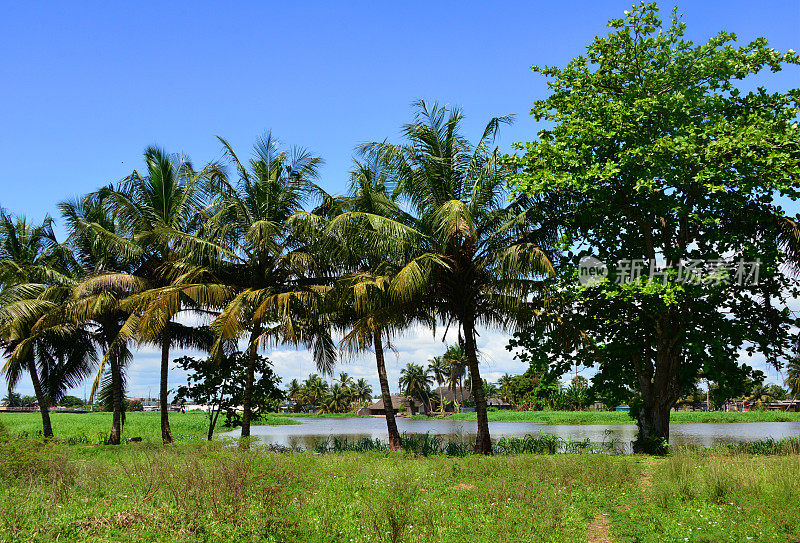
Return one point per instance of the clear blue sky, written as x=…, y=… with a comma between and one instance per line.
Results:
x=85, y=87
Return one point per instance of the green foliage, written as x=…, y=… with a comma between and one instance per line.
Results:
x=220, y=384
x=72, y=401
x=653, y=152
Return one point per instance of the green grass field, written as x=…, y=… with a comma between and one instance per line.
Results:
x=94, y=427
x=208, y=492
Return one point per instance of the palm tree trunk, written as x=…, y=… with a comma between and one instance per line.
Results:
x=248, y=385
x=483, y=443
x=395, y=443
x=41, y=399
x=166, y=432
x=117, y=392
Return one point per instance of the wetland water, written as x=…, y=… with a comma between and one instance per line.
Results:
x=314, y=430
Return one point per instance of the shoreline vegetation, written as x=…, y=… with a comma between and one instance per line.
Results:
x=584, y=417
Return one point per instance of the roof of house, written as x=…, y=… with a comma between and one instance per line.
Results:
x=450, y=395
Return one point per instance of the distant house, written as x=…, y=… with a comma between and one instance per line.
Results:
x=414, y=406
x=747, y=405
x=498, y=403
x=450, y=396
x=399, y=403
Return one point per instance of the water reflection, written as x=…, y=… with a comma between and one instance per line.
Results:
x=313, y=431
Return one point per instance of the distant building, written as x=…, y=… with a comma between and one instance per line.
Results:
x=399, y=403
x=441, y=394
x=747, y=405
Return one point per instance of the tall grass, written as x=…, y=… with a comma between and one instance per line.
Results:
x=431, y=445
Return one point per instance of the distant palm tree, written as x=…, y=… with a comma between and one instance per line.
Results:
x=505, y=383
x=457, y=363
x=793, y=376
x=415, y=382
x=293, y=390
x=344, y=380
x=337, y=400
x=440, y=369
x=314, y=390
x=362, y=391
x=490, y=390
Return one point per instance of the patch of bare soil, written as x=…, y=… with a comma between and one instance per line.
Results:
x=598, y=529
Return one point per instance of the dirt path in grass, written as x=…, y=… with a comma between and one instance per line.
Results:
x=598, y=530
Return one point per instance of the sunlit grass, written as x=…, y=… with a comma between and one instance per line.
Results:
x=95, y=427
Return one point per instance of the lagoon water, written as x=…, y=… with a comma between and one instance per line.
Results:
x=315, y=430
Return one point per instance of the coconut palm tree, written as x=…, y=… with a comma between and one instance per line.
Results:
x=34, y=268
x=314, y=390
x=337, y=400
x=440, y=369
x=361, y=305
x=456, y=362
x=481, y=254
x=362, y=391
x=155, y=210
x=344, y=380
x=415, y=382
x=267, y=280
x=105, y=263
x=505, y=383
x=792, y=380
x=294, y=390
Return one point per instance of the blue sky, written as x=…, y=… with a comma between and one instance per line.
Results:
x=85, y=87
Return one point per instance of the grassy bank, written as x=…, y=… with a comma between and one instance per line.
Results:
x=613, y=417
x=207, y=492
x=94, y=427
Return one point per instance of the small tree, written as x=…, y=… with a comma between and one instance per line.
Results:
x=221, y=386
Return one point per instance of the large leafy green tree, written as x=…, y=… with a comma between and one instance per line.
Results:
x=653, y=154
x=478, y=254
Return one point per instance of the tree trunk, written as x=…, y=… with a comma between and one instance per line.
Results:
x=483, y=442
x=166, y=432
x=659, y=386
x=248, y=385
x=653, y=424
x=213, y=421
x=116, y=392
x=395, y=443
x=41, y=399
